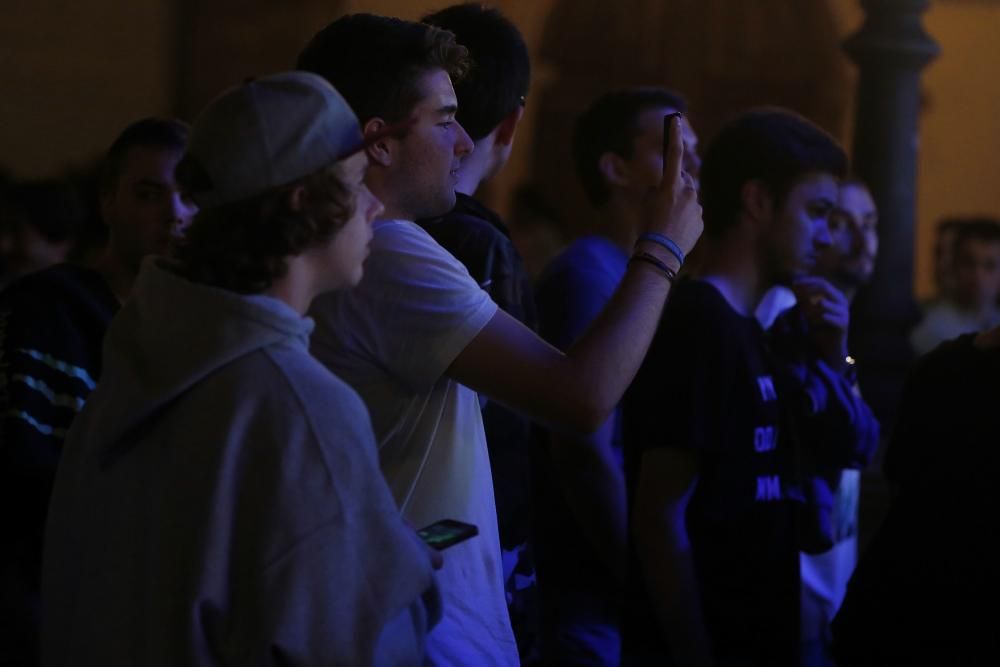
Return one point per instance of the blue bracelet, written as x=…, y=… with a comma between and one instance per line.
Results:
x=662, y=240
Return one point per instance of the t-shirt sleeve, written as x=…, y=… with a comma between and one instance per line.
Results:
x=676, y=397
x=423, y=306
x=569, y=298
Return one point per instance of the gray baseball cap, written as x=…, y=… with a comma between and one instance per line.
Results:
x=265, y=133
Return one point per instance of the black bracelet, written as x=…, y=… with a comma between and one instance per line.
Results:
x=657, y=263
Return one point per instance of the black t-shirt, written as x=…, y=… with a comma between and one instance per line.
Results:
x=52, y=326
x=925, y=591
x=709, y=384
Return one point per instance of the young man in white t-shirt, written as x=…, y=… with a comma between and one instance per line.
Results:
x=418, y=337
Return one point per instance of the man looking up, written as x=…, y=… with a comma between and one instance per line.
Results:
x=418, y=337
x=52, y=326
x=579, y=482
x=712, y=418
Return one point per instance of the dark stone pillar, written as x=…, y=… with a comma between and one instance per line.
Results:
x=890, y=49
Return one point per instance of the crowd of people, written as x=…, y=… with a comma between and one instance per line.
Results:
x=304, y=339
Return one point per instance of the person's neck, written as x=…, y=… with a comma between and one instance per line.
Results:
x=297, y=287
x=734, y=272
x=117, y=273
x=982, y=312
x=475, y=168
x=621, y=222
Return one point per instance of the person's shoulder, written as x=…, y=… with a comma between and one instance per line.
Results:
x=587, y=256
x=299, y=382
x=59, y=284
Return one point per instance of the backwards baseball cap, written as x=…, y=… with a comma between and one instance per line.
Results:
x=265, y=133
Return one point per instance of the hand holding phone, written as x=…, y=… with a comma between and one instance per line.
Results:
x=667, y=120
x=671, y=208
x=446, y=533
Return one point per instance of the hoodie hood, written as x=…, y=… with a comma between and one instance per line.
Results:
x=170, y=335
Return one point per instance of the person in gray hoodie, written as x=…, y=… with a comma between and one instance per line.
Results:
x=219, y=500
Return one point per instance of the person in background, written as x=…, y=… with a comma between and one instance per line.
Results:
x=579, y=500
x=52, y=326
x=972, y=302
x=39, y=224
x=715, y=421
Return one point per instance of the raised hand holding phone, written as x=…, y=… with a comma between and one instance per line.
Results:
x=672, y=208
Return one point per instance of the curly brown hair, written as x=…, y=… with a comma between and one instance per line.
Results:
x=244, y=246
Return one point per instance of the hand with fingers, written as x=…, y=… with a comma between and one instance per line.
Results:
x=827, y=314
x=672, y=209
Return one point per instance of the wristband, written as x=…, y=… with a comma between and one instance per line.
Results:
x=664, y=241
x=658, y=264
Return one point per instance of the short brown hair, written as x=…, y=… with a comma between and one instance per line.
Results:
x=375, y=61
x=244, y=246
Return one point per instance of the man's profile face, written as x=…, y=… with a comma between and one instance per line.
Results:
x=977, y=273
x=853, y=235
x=644, y=169
x=427, y=159
x=799, y=232
x=146, y=211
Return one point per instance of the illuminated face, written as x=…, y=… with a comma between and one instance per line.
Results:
x=427, y=158
x=146, y=210
x=850, y=257
x=644, y=169
x=798, y=232
x=345, y=254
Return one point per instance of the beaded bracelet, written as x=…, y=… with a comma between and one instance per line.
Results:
x=657, y=263
x=664, y=241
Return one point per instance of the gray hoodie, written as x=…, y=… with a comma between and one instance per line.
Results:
x=219, y=501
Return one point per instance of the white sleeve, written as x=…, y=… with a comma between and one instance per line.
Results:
x=419, y=305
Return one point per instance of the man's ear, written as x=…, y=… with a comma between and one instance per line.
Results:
x=612, y=168
x=508, y=127
x=379, y=151
x=756, y=201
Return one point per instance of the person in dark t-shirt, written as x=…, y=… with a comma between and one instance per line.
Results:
x=710, y=420
x=52, y=326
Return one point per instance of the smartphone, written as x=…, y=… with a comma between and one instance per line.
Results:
x=446, y=533
x=666, y=131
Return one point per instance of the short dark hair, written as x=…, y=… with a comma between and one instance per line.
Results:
x=53, y=208
x=374, y=62
x=609, y=125
x=983, y=229
x=244, y=246
x=163, y=133
x=775, y=146
x=498, y=79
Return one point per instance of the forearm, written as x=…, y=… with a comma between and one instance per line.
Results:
x=593, y=485
x=602, y=363
x=669, y=573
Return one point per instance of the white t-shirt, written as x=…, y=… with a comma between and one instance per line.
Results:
x=392, y=339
